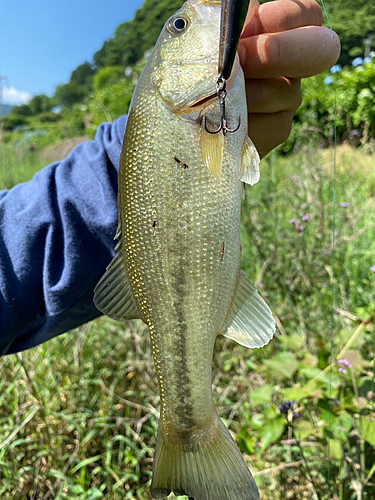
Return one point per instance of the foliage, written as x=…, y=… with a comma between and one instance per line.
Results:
x=37, y=104
x=108, y=76
x=69, y=94
x=13, y=121
x=314, y=123
x=110, y=102
x=354, y=23
x=83, y=75
x=79, y=413
x=40, y=104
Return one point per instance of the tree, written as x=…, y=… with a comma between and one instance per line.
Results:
x=40, y=104
x=353, y=22
x=133, y=38
x=83, y=75
x=22, y=110
x=69, y=94
x=107, y=76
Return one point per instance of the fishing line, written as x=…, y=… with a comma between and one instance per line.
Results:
x=331, y=326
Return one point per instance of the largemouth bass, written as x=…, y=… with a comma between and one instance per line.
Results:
x=178, y=255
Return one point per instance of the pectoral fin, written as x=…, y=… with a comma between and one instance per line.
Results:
x=212, y=146
x=249, y=168
x=250, y=321
x=113, y=294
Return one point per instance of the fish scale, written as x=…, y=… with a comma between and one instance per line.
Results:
x=180, y=256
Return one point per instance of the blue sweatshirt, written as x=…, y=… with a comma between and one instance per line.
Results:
x=56, y=239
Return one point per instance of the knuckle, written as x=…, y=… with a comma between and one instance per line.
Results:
x=316, y=13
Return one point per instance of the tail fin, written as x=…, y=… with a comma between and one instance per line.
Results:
x=210, y=470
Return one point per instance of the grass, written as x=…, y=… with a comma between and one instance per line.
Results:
x=78, y=414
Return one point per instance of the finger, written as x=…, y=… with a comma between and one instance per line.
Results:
x=269, y=130
x=282, y=15
x=297, y=53
x=273, y=95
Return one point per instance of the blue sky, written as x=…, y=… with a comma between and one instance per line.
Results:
x=43, y=41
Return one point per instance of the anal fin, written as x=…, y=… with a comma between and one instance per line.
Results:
x=250, y=321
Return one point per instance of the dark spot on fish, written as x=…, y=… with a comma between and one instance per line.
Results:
x=222, y=252
x=153, y=223
x=184, y=411
x=180, y=162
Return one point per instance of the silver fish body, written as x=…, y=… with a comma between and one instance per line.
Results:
x=177, y=261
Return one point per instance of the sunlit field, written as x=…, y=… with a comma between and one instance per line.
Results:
x=78, y=415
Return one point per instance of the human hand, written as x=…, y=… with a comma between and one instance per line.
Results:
x=281, y=44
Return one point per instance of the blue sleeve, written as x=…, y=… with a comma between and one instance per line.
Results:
x=56, y=239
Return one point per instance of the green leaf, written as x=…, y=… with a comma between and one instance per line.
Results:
x=257, y=420
x=368, y=431
x=271, y=431
x=293, y=341
x=262, y=395
x=335, y=450
x=298, y=393
x=304, y=429
x=282, y=365
x=85, y=462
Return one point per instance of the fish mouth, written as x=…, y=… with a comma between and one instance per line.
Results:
x=203, y=101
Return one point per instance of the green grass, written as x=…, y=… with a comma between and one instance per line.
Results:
x=17, y=164
x=78, y=414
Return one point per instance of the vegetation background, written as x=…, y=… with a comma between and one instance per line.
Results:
x=78, y=415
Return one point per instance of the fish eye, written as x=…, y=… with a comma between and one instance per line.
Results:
x=178, y=24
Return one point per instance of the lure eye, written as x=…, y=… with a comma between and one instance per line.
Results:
x=178, y=25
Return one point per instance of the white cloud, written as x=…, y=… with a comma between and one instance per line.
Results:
x=14, y=96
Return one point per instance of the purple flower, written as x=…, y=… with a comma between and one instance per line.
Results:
x=344, y=204
x=342, y=370
x=292, y=221
x=344, y=362
x=295, y=414
x=285, y=406
x=372, y=268
x=305, y=217
x=336, y=233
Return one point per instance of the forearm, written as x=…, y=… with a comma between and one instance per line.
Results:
x=56, y=238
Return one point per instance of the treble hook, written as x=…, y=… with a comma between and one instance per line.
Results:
x=222, y=94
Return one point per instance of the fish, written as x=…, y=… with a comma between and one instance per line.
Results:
x=177, y=261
